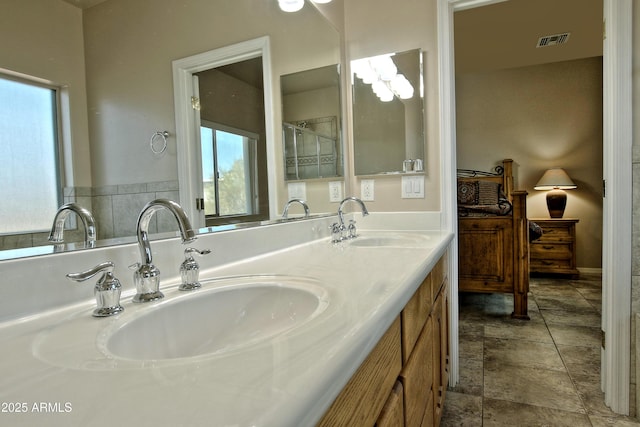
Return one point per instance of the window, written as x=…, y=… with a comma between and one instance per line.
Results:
x=228, y=171
x=31, y=187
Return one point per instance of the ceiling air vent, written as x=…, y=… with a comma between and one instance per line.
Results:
x=553, y=40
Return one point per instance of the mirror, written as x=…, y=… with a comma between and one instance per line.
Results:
x=388, y=113
x=117, y=90
x=312, y=142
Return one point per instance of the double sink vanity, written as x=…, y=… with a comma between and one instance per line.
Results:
x=283, y=320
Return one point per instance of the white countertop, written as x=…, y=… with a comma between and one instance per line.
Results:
x=53, y=372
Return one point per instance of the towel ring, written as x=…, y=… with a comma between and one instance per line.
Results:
x=154, y=140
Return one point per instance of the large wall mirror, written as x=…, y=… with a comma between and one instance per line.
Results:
x=388, y=113
x=113, y=63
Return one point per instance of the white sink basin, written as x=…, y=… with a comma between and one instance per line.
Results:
x=230, y=315
x=391, y=240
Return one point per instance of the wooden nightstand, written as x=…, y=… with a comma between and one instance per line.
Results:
x=555, y=251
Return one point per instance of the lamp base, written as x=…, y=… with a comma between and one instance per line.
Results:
x=556, y=202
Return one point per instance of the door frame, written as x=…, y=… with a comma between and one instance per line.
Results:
x=617, y=174
x=186, y=129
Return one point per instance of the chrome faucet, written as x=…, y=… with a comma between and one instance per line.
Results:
x=338, y=229
x=147, y=275
x=285, y=213
x=57, y=230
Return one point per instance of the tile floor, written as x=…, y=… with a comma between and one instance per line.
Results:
x=541, y=372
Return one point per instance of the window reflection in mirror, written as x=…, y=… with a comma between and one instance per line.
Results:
x=229, y=167
x=232, y=140
x=388, y=113
x=310, y=131
x=30, y=171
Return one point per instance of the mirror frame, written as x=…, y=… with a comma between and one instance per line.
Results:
x=187, y=149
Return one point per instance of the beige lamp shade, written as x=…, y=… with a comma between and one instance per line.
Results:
x=556, y=180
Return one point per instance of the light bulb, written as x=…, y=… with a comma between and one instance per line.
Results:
x=291, y=5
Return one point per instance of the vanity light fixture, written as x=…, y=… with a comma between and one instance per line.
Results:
x=556, y=180
x=382, y=74
x=291, y=5
x=296, y=5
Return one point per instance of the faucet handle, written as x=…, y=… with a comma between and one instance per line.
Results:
x=107, y=290
x=190, y=270
x=336, y=232
x=352, y=234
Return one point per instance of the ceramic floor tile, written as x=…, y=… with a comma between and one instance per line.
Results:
x=581, y=362
x=571, y=318
x=462, y=410
x=471, y=377
x=615, y=420
x=471, y=347
x=532, y=331
x=592, y=397
x=500, y=413
x=533, y=386
x=584, y=336
x=520, y=352
x=562, y=302
x=470, y=329
x=542, y=372
x=556, y=290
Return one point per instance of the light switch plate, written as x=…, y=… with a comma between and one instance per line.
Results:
x=413, y=187
x=367, y=190
x=335, y=191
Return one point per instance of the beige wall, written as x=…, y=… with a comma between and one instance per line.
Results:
x=130, y=45
x=379, y=26
x=43, y=39
x=540, y=116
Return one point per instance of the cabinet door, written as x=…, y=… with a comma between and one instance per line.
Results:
x=414, y=316
x=440, y=353
x=417, y=377
x=392, y=414
x=362, y=399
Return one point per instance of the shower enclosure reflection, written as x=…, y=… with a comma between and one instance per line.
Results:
x=310, y=149
x=311, y=140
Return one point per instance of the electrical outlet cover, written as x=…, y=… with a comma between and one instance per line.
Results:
x=367, y=190
x=297, y=190
x=335, y=191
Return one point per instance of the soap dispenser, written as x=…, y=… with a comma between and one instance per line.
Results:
x=190, y=270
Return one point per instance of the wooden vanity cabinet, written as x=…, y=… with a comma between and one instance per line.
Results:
x=440, y=318
x=392, y=414
x=364, y=396
x=403, y=385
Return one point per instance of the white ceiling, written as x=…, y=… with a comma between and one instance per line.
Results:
x=504, y=35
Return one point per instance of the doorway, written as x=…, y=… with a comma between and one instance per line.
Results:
x=616, y=171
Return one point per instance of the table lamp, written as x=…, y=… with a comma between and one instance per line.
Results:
x=556, y=181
